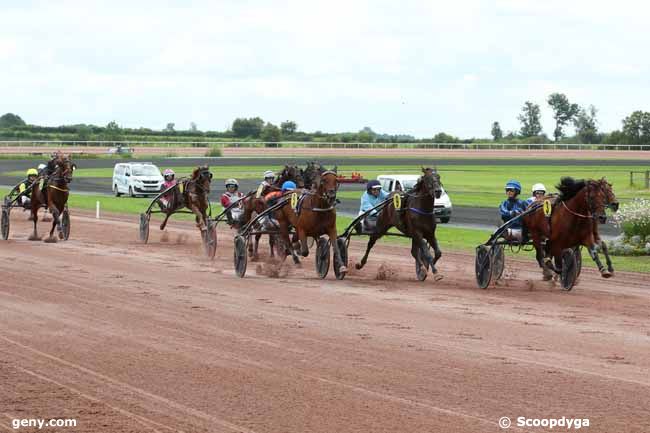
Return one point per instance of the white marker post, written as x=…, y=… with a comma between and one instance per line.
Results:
x=97, y=210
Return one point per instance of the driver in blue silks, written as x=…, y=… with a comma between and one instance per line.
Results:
x=510, y=208
x=371, y=198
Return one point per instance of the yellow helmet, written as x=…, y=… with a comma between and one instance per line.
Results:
x=32, y=172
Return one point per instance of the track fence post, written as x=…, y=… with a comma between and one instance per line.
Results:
x=97, y=210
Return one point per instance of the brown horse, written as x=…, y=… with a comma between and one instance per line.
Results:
x=574, y=221
x=255, y=204
x=191, y=193
x=54, y=196
x=416, y=219
x=315, y=217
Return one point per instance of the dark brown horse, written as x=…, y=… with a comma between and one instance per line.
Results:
x=416, y=219
x=191, y=193
x=315, y=217
x=574, y=221
x=255, y=204
x=55, y=196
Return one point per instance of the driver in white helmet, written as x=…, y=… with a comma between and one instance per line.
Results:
x=231, y=196
x=539, y=191
x=267, y=183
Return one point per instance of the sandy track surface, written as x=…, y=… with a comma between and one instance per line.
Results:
x=336, y=152
x=156, y=338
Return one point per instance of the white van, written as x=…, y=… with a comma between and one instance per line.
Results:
x=391, y=182
x=142, y=178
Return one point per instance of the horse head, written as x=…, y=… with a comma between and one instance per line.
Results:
x=430, y=182
x=201, y=176
x=64, y=167
x=293, y=173
x=326, y=185
x=600, y=196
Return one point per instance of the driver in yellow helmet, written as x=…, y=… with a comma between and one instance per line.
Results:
x=32, y=174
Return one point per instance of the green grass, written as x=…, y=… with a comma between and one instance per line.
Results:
x=449, y=238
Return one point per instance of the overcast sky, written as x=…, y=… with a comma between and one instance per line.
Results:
x=409, y=67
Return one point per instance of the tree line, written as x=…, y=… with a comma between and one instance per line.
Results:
x=635, y=127
x=635, y=130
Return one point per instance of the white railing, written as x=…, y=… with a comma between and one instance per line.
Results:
x=329, y=145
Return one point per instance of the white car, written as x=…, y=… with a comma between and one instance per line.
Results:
x=391, y=182
x=141, y=178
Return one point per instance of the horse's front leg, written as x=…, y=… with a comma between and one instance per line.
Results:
x=302, y=237
x=431, y=238
x=593, y=252
x=55, y=223
x=34, y=236
x=608, y=260
x=164, y=223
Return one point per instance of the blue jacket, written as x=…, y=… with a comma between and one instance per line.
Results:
x=368, y=201
x=510, y=208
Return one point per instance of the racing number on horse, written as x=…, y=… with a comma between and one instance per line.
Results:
x=547, y=208
x=397, y=201
x=294, y=200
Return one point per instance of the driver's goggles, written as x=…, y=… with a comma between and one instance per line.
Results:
x=539, y=192
x=510, y=189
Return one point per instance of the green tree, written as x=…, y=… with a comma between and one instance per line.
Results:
x=84, y=132
x=8, y=120
x=243, y=127
x=441, y=137
x=193, y=127
x=586, y=125
x=288, y=127
x=113, y=132
x=530, y=119
x=497, y=133
x=563, y=112
x=271, y=134
x=170, y=127
x=636, y=127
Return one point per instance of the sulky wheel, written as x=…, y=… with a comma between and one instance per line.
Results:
x=569, y=270
x=5, y=224
x=322, y=257
x=65, y=224
x=210, y=240
x=343, y=251
x=422, y=262
x=483, y=266
x=498, y=261
x=578, y=256
x=240, y=256
x=144, y=227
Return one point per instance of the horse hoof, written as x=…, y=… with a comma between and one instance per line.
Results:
x=343, y=269
x=61, y=235
x=50, y=240
x=34, y=238
x=437, y=277
x=606, y=274
x=357, y=266
x=547, y=277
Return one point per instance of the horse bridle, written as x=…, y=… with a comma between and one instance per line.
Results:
x=330, y=200
x=65, y=175
x=201, y=175
x=420, y=211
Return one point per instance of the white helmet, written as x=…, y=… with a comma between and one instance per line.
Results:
x=231, y=182
x=538, y=187
x=269, y=173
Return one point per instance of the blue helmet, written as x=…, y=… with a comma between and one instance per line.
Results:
x=373, y=184
x=514, y=184
x=288, y=185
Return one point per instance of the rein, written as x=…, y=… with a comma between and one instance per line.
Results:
x=576, y=213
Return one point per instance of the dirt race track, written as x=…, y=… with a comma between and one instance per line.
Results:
x=156, y=338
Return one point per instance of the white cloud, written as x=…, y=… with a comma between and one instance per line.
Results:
x=403, y=67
